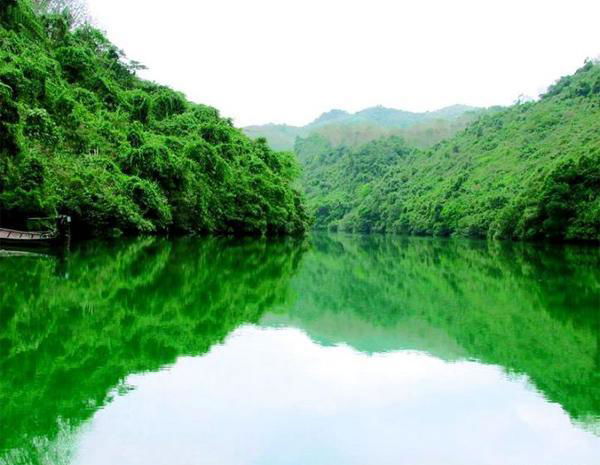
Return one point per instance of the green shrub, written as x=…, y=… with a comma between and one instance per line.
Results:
x=167, y=103
x=38, y=125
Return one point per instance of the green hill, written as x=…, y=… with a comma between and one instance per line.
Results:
x=337, y=180
x=278, y=136
x=80, y=134
x=531, y=171
x=341, y=128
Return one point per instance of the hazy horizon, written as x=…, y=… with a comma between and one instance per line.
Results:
x=358, y=111
x=288, y=62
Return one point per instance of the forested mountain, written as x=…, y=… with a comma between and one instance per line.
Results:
x=341, y=128
x=338, y=180
x=531, y=171
x=80, y=134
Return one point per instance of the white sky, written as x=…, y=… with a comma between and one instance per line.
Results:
x=287, y=61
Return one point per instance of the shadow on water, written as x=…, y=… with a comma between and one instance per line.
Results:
x=69, y=338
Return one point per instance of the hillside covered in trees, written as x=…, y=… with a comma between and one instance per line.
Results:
x=337, y=180
x=80, y=134
x=530, y=171
x=340, y=128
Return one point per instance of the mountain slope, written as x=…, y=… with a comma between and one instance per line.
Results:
x=338, y=180
x=278, y=136
x=80, y=134
x=531, y=171
x=353, y=129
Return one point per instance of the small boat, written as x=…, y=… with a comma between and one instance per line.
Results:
x=59, y=236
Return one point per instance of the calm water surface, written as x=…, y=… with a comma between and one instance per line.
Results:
x=339, y=350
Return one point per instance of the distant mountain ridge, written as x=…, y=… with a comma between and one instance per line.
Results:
x=331, y=116
x=370, y=120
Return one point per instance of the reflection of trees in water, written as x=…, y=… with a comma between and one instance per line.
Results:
x=531, y=308
x=125, y=308
x=67, y=343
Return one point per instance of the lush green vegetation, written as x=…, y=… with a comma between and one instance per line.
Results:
x=531, y=171
x=337, y=180
x=341, y=128
x=80, y=134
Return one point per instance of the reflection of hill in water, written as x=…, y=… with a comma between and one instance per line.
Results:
x=70, y=333
x=340, y=328
x=531, y=309
x=65, y=344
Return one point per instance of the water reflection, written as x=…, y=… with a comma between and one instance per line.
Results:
x=273, y=397
x=126, y=308
x=532, y=309
x=72, y=349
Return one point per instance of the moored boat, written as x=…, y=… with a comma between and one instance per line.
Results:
x=58, y=236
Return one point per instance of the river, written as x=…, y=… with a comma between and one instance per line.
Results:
x=334, y=350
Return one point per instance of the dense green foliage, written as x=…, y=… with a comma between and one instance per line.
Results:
x=337, y=180
x=341, y=128
x=72, y=331
x=531, y=171
x=80, y=134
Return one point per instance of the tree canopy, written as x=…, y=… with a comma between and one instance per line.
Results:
x=530, y=171
x=81, y=134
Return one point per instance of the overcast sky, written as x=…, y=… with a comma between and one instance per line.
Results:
x=287, y=61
